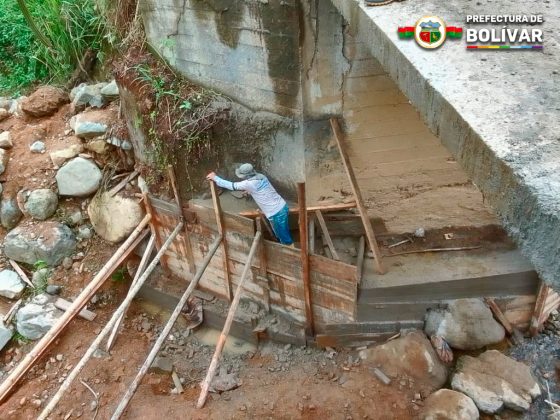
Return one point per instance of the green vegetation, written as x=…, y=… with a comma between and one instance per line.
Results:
x=45, y=40
x=119, y=275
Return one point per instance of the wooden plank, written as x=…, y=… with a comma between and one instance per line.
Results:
x=304, y=241
x=329, y=207
x=536, y=324
x=63, y=305
x=164, y=206
x=312, y=234
x=360, y=259
x=326, y=235
x=358, y=196
x=263, y=276
x=331, y=268
x=155, y=227
x=113, y=191
x=223, y=246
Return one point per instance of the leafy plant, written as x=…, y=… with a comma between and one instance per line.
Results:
x=119, y=275
x=20, y=338
x=40, y=264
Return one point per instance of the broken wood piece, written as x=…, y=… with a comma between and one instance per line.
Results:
x=107, y=328
x=87, y=293
x=381, y=376
x=538, y=318
x=499, y=315
x=8, y=317
x=419, y=251
x=177, y=382
x=404, y=241
x=326, y=208
x=21, y=273
x=63, y=305
x=227, y=325
x=306, y=271
x=358, y=196
x=326, y=235
x=113, y=191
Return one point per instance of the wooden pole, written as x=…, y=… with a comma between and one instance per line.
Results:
x=304, y=241
x=326, y=235
x=72, y=311
x=120, y=310
x=166, y=330
x=263, y=270
x=222, y=232
x=327, y=208
x=358, y=196
x=536, y=325
x=312, y=234
x=360, y=259
x=227, y=325
x=141, y=267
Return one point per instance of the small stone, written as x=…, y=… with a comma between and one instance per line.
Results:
x=243, y=408
x=6, y=140
x=4, y=113
x=111, y=90
x=22, y=401
x=37, y=147
x=53, y=289
x=10, y=214
x=59, y=357
x=84, y=232
x=41, y=204
x=161, y=365
x=420, y=232
x=11, y=285
x=37, y=403
x=67, y=263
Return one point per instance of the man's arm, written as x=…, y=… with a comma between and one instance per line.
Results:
x=229, y=185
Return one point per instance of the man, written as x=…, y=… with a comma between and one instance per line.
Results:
x=269, y=201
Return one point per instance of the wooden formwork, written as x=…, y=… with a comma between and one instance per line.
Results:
x=276, y=272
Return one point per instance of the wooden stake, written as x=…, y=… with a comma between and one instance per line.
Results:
x=312, y=234
x=141, y=267
x=82, y=299
x=155, y=228
x=536, y=324
x=222, y=232
x=499, y=315
x=327, y=208
x=263, y=272
x=64, y=304
x=21, y=273
x=303, y=240
x=97, y=341
x=326, y=235
x=360, y=259
x=113, y=191
x=166, y=330
x=358, y=196
x=225, y=331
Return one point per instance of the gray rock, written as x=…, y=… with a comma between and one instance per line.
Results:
x=10, y=214
x=111, y=90
x=466, y=324
x=78, y=178
x=114, y=218
x=40, y=277
x=6, y=335
x=6, y=140
x=4, y=114
x=38, y=147
x=67, y=263
x=11, y=284
x=411, y=355
x=5, y=103
x=126, y=145
x=85, y=128
x=495, y=381
x=37, y=317
x=85, y=94
x=84, y=232
x=53, y=289
x=49, y=241
x=75, y=218
x=446, y=404
x=161, y=365
x=41, y=204
x=58, y=157
x=4, y=158
x=97, y=146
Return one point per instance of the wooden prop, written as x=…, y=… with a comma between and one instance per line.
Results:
x=304, y=241
x=63, y=305
x=21, y=273
x=139, y=271
x=547, y=301
x=360, y=259
x=225, y=331
x=327, y=208
x=358, y=196
x=326, y=235
x=221, y=231
x=166, y=330
x=108, y=327
x=113, y=191
x=21, y=369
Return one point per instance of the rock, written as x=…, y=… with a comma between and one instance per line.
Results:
x=40, y=277
x=411, y=355
x=420, y=232
x=58, y=157
x=85, y=127
x=48, y=241
x=4, y=158
x=466, y=324
x=37, y=317
x=6, y=140
x=495, y=381
x=84, y=232
x=85, y=94
x=41, y=204
x=11, y=284
x=97, y=146
x=78, y=178
x=6, y=335
x=126, y=145
x=44, y=101
x=5, y=103
x=75, y=218
x=114, y=218
x=111, y=90
x=53, y=289
x=446, y=404
x=10, y=214
x=161, y=365
x=67, y=263
x=38, y=147
x=4, y=114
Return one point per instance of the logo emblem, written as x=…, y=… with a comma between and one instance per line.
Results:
x=430, y=32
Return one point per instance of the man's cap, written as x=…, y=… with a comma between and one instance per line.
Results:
x=244, y=171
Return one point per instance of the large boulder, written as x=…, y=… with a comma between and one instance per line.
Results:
x=6, y=334
x=48, y=241
x=10, y=214
x=114, y=218
x=41, y=204
x=37, y=317
x=446, y=404
x=11, y=284
x=44, y=101
x=466, y=324
x=78, y=178
x=495, y=381
x=411, y=355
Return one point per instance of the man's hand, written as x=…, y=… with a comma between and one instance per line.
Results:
x=211, y=176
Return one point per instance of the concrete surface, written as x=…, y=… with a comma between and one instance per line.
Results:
x=496, y=111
